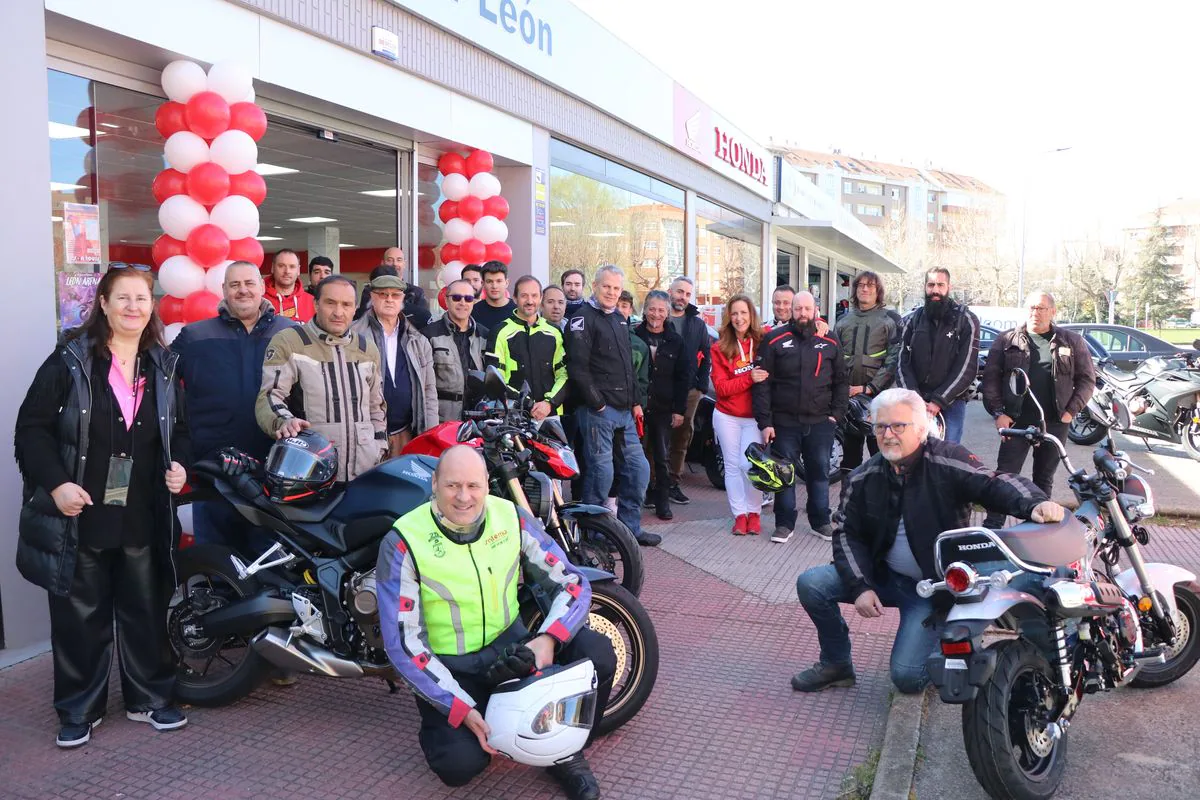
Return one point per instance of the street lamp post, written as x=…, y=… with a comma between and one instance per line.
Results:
x=1025, y=225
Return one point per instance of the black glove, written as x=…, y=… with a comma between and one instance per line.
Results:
x=516, y=661
x=234, y=462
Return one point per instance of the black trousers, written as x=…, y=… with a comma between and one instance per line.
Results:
x=454, y=754
x=657, y=444
x=125, y=585
x=1011, y=458
x=852, y=448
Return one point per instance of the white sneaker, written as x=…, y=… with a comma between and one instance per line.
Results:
x=611, y=504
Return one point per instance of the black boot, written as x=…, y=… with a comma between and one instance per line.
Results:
x=662, y=504
x=576, y=778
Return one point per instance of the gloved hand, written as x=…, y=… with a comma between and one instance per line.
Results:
x=234, y=462
x=516, y=661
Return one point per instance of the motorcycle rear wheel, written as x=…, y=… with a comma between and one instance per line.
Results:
x=1004, y=729
x=714, y=466
x=210, y=672
x=1191, y=440
x=1185, y=653
x=1086, y=431
x=837, y=454
x=607, y=543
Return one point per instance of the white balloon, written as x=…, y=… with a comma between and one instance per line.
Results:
x=235, y=151
x=458, y=231
x=484, y=185
x=489, y=230
x=231, y=80
x=179, y=215
x=185, y=150
x=179, y=276
x=455, y=187
x=237, y=216
x=169, y=333
x=214, y=278
x=450, y=273
x=182, y=79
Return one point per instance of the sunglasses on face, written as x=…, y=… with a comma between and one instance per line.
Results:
x=122, y=265
x=462, y=298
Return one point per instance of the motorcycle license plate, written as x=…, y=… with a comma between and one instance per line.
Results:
x=956, y=663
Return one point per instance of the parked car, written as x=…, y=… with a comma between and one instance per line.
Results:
x=987, y=337
x=1127, y=347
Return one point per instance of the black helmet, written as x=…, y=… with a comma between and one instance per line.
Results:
x=858, y=415
x=301, y=468
x=769, y=472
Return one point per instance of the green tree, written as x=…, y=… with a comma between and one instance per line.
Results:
x=1157, y=289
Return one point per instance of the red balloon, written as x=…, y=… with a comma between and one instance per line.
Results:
x=170, y=309
x=249, y=118
x=164, y=247
x=470, y=208
x=426, y=258
x=451, y=163
x=248, y=249
x=207, y=245
x=200, y=305
x=442, y=297
x=208, y=183
x=448, y=210
x=449, y=253
x=495, y=206
x=171, y=118
x=479, y=161
x=207, y=115
x=168, y=183
x=499, y=251
x=473, y=251
x=248, y=184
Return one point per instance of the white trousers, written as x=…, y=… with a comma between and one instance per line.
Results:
x=735, y=434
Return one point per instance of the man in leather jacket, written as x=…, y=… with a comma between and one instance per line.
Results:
x=892, y=509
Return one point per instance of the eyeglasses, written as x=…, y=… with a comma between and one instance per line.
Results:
x=461, y=298
x=122, y=265
x=1040, y=309
x=897, y=428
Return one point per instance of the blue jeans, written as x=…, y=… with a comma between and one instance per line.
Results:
x=217, y=522
x=598, y=430
x=955, y=417
x=813, y=443
x=820, y=590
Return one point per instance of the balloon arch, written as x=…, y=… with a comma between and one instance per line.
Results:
x=472, y=214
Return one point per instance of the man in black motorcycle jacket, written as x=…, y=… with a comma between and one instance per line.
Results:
x=892, y=509
x=453, y=642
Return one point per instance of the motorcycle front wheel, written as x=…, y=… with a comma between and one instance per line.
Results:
x=1005, y=727
x=209, y=671
x=606, y=543
x=1085, y=430
x=1186, y=651
x=1191, y=440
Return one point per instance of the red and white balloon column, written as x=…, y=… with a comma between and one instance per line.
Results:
x=209, y=193
x=472, y=215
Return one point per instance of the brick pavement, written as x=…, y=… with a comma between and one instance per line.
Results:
x=722, y=723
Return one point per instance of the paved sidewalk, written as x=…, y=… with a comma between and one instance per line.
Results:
x=723, y=721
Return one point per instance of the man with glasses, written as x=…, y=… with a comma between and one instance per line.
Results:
x=892, y=509
x=458, y=343
x=1061, y=379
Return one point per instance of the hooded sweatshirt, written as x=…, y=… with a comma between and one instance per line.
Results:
x=297, y=306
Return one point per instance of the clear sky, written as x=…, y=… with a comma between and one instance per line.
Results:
x=980, y=88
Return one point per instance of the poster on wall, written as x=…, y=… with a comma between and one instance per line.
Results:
x=81, y=233
x=76, y=294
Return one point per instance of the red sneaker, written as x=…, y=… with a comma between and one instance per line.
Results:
x=740, y=525
x=753, y=525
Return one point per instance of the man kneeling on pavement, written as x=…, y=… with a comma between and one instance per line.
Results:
x=892, y=509
x=453, y=645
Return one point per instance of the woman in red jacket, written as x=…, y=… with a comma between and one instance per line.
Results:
x=733, y=373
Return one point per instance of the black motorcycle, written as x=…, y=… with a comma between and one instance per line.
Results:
x=1162, y=399
x=308, y=602
x=1041, y=617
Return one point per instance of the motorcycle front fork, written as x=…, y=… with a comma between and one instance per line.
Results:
x=554, y=524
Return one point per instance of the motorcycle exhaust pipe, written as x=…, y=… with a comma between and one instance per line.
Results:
x=300, y=655
x=247, y=616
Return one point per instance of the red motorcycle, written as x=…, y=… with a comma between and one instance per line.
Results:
x=526, y=459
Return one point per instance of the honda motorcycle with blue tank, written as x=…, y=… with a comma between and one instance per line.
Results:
x=1040, y=616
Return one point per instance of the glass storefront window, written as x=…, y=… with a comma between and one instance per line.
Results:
x=735, y=263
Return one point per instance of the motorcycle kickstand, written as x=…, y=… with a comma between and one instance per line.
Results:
x=391, y=685
x=1146, y=441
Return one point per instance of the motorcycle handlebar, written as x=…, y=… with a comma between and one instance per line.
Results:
x=1107, y=463
x=1038, y=436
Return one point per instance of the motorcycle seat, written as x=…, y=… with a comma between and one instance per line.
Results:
x=1120, y=376
x=1052, y=545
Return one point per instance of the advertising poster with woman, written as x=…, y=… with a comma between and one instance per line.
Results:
x=81, y=233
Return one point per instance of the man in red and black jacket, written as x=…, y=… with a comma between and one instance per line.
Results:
x=797, y=408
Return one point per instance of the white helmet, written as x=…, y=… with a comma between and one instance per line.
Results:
x=545, y=718
x=937, y=427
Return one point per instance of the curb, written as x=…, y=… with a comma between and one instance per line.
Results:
x=898, y=757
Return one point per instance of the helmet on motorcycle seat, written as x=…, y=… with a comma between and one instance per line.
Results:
x=301, y=468
x=545, y=718
x=768, y=472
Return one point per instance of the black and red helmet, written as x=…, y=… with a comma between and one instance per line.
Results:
x=301, y=468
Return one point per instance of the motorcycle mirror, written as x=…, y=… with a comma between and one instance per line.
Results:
x=1018, y=383
x=467, y=431
x=494, y=387
x=552, y=428
x=475, y=382
x=1121, y=412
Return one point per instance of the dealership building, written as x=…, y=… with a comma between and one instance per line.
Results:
x=602, y=157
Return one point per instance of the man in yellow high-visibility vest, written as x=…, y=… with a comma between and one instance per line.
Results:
x=447, y=587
